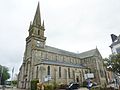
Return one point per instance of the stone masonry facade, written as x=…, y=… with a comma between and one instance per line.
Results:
x=52, y=65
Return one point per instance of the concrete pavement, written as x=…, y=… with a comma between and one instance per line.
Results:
x=24, y=89
x=77, y=89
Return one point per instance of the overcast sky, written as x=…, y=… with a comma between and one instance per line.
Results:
x=72, y=25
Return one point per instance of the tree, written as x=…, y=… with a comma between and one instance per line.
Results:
x=4, y=75
x=14, y=82
x=107, y=64
x=115, y=63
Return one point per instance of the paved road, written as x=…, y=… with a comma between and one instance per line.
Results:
x=24, y=89
x=12, y=89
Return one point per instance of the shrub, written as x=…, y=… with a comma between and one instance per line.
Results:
x=55, y=86
x=84, y=84
x=63, y=86
x=34, y=84
x=96, y=88
x=49, y=87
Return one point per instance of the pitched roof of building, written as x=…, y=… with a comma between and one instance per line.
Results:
x=117, y=41
x=62, y=63
x=87, y=53
x=67, y=53
x=60, y=51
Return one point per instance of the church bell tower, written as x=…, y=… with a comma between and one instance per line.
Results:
x=34, y=42
x=36, y=31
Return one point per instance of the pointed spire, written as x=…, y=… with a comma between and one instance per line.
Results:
x=37, y=17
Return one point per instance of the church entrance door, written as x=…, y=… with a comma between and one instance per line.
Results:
x=77, y=79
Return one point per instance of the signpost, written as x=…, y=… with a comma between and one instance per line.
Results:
x=47, y=78
x=88, y=75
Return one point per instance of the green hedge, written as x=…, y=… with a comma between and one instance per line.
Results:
x=34, y=84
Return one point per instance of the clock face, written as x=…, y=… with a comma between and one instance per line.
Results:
x=39, y=44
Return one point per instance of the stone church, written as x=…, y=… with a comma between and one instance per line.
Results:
x=49, y=64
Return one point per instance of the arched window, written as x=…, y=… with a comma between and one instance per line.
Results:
x=59, y=72
x=65, y=73
x=38, y=32
x=73, y=73
x=69, y=72
x=48, y=73
x=37, y=72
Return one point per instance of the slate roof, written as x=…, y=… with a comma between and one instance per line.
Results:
x=60, y=51
x=116, y=42
x=87, y=53
x=63, y=52
x=62, y=63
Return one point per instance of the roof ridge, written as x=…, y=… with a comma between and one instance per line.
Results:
x=87, y=51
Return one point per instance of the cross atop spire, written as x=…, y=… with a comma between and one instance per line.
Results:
x=37, y=17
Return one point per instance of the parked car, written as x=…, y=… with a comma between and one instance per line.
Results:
x=73, y=86
x=94, y=84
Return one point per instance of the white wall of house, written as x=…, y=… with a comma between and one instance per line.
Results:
x=114, y=51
